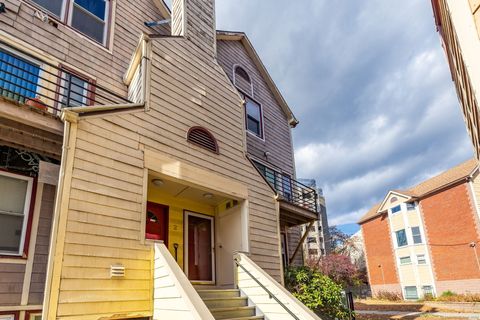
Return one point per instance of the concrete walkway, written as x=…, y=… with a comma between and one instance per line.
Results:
x=409, y=313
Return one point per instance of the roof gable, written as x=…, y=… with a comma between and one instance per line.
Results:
x=240, y=36
x=392, y=199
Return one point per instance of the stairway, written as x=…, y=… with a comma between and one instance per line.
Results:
x=227, y=304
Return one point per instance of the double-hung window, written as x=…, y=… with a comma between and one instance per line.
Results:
x=254, y=117
x=89, y=17
x=417, y=236
x=401, y=238
x=15, y=196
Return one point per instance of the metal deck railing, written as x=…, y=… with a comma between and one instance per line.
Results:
x=27, y=80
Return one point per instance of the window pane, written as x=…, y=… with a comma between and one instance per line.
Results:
x=401, y=238
x=54, y=6
x=396, y=209
x=87, y=23
x=417, y=237
x=10, y=233
x=405, y=260
x=253, y=126
x=421, y=259
x=96, y=7
x=78, y=93
x=18, y=78
x=253, y=110
x=410, y=206
x=12, y=194
x=411, y=292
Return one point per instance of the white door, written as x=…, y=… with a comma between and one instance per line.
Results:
x=229, y=240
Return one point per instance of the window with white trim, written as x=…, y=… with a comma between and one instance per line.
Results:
x=401, y=238
x=411, y=292
x=427, y=290
x=253, y=113
x=417, y=236
x=405, y=260
x=396, y=209
x=15, y=196
x=421, y=259
x=410, y=206
x=89, y=17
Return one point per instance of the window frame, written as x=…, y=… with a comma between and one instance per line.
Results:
x=410, y=298
x=90, y=98
x=423, y=259
x=417, y=235
x=396, y=211
x=65, y=18
x=397, y=241
x=27, y=214
x=411, y=206
x=261, y=124
x=405, y=263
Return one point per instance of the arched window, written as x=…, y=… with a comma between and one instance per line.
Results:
x=242, y=80
x=202, y=138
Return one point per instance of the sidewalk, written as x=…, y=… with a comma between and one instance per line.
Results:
x=419, y=313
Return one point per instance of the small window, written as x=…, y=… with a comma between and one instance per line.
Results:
x=202, y=138
x=427, y=290
x=411, y=292
x=401, y=238
x=410, y=206
x=405, y=260
x=240, y=72
x=18, y=77
x=254, y=117
x=396, y=209
x=55, y=7
x=421, y=259
x=417, y=237
x=311, y=240
x=15, y=194
x=75, y=91
x=313, y=252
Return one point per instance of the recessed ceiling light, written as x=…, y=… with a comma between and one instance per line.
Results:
x=208, y=195
x=158, y=182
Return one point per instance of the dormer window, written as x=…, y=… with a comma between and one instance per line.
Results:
x=242, y=80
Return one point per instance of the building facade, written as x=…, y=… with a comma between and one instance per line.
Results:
x=142, y=153
x=414, y=239
x=458, y=23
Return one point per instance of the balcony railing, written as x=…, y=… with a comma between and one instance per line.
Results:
x=38, y=84
x=288, y=189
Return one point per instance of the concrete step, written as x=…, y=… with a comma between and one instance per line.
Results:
x=227, y=302
x=221, y=293
x=235, y=312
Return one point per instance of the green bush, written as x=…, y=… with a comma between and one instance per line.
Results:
x=448, y=293
x=317, y=291
x=449, y=296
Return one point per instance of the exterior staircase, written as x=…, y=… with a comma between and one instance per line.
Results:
x=227, y=304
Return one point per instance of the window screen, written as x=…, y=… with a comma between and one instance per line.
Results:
x=89, y=17
x=54, y=6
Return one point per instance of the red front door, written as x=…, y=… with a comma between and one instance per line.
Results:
x=157, y=222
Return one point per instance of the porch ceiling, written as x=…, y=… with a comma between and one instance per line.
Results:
x=182, y=191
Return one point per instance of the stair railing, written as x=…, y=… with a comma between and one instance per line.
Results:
x=270, y=294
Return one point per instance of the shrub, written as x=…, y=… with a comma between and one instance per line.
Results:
x=449, y=296
x=389, y=295
x=317, y=291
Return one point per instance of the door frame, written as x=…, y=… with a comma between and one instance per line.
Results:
x=167, y=222
x=186, y=214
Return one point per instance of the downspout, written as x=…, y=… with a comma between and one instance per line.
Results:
x=56, y=214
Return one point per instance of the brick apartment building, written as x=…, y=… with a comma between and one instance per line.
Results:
x=425, y=240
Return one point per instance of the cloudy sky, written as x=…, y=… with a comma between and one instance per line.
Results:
x=369, y=82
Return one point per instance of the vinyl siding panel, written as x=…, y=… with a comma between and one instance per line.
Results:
x=37, y=283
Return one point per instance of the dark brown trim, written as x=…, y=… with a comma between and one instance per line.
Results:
x=204, y=130
x=31, y=312
x=91, y=84
x=16, y=314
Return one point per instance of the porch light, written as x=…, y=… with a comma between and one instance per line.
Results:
x=208, y=195
x=158, y=182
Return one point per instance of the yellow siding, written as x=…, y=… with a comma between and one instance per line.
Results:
x=413, y=219
x=397, y=221
x=407, y=274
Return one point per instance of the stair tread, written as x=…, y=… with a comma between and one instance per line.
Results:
x=246, y=318
x=232, y=309
x=218, y=290
x=224, y=298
